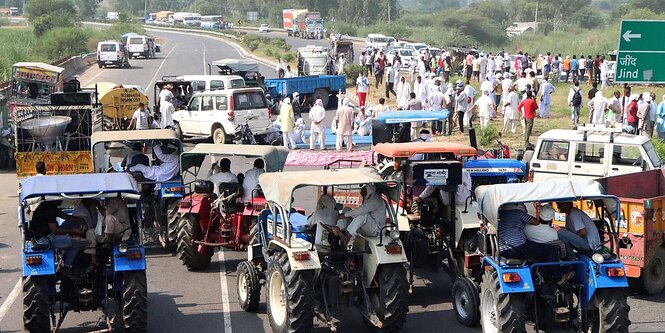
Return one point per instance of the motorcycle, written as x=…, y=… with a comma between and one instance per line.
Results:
x=502, y=151
x=7, y=150
x=244, y=133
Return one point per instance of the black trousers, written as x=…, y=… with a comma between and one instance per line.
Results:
x=390, y=89
x=460, y=120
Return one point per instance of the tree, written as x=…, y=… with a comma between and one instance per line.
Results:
x=656, y=6
x=86, y=8
x=49, y=14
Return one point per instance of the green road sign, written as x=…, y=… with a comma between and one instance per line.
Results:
x=641, y=54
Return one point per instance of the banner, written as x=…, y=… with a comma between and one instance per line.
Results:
x=57, y=163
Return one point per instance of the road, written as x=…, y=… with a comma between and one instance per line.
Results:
x=206, y=301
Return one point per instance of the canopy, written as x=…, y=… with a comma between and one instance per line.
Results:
x=274, y=157
x=279, y=187
x=142, y=135
x=63, y=186
x=408, y=149
x=491, y=197
x=40, y=66
x=238, y=65
x=407, y=116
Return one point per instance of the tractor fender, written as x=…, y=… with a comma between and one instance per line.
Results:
x=376, y=255
x=47, y=265
x=122, y=262
x=298, y=245
x=524, y=285
x=598, y=278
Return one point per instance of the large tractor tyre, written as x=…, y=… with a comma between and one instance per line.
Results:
x=188, y=251
x=172, y=221
x=254, y=232
x=652, y=279
x=36, y=304
x=249, y=287
x=290, y=297
x=466, y=302
x=393, y=297
x=500, y=312
x=612, y=312
x=135, y=301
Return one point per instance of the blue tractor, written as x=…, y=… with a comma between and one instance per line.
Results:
x=514, y=291
x=116, y=284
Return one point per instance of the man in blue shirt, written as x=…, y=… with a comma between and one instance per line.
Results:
x=575, y=68
x=514, y=244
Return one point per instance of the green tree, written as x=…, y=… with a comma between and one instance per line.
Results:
x=656, y=6
x=49, y=14
x=86, y=8
x=61, y=42
x=491, y=9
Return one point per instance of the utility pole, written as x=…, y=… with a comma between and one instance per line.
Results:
x=389, y=10
x=145, y=8
x=535, y=26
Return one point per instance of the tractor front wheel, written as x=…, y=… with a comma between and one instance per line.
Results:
x=392, y=300
x=36, y=304
x=501, y=312
x=188, y=251
x=612, y=312
x=290, y=297
x=135, y=301
x=466, y=302
x=249, y=287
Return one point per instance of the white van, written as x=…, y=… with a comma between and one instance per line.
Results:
x=216, y=113
x=141, y=46
x=111, y=53
x=378, y=41
x=590, y=154
x=213, y=82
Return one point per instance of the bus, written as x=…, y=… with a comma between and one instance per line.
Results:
x=211, y=22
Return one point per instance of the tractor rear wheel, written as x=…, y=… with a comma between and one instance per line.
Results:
x=466, y=302
x=254, y=232
x=392, y=300
x=612, y=312
x=188, y=251
x=290, y=297
x=652, y=279
x=135, y=301
x=36, y=304
x=172, y=220
x=501, y=312
x=249, y=288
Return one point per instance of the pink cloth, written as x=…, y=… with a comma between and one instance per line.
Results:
x=323, y=158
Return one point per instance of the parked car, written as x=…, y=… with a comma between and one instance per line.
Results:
x=416, y=47
x=406, y=55
x=264, y=28
x=217, y=113
x=112, y=53
x=213, y=82
x=141, y=46
x=378, y=41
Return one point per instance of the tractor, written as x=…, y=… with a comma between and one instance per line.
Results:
x=209, y=220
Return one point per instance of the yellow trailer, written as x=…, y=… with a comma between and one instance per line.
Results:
x=119, y=103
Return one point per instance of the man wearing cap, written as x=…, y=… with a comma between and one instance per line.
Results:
x=543, y=232
x=506, y=83
x=485, y=106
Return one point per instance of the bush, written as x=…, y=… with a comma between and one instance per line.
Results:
x=280, y=43
x=353, y=70
x=660, y=148
x=288, y=56
x=252, y=45
x=61, y=42
x=4, y=22
x=346, y=28
x=487, y=136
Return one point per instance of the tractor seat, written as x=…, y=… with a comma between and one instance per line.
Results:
x=513, y=261
x=226, y=189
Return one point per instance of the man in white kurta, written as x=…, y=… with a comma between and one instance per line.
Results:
x=485, y=105
x=316, y=114
x=510, y=113
x=169, y=167
x=344, y=121
x=546, y=90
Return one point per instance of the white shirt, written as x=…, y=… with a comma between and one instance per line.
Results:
x=166, y=109
x=485, y=106
x=223, y=177
x=487, y=86
x=577, y=220
x=361, y=83
x=141, y=117
x=250, y=183
x=505, y=84
x=163, y=93
x=435, y=100
x=541, y=233
x=547, y=90
x=163, y=172
x=317, y=113
x=470, y=92
x=510, y=104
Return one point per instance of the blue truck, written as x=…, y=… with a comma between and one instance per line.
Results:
x=310, y=88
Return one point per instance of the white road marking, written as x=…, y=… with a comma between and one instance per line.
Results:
x=9, y=301
x=205, y=68
x=226, y=308
x=93, y=78
x=152, y=81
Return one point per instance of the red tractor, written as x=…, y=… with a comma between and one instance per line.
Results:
x=212, y=215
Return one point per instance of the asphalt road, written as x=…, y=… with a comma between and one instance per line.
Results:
x=206, y=301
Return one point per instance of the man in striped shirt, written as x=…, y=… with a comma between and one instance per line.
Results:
x=513, y=242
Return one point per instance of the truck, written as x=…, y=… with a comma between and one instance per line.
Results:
x=112, y=16
x=164, y=15
x=181, y=17
x=310, y=87
x=641, y=225
x=11, y=11
x=289, y=17
x=313, y=60
x=343, y=46
x=310, y=25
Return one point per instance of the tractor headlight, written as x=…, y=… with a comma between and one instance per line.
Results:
x=122, y=247
x=394, y=235
x=598, y=258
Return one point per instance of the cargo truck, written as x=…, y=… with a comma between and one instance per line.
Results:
x=289, y=23
x=310, y=25
x=641, y=226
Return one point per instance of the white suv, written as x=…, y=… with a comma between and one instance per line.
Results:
x=264, y=28
x=111, y=53
x=590, y=154
x=141, y=46
x=217, y=113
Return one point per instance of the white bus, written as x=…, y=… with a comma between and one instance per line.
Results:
x=211, y=21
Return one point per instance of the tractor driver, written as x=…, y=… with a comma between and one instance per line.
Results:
x=251, y=181
x=135, y=157
x=168, y=155
x=224, y=176
x=513, y=242
x=368, y=218
x=580, y=233
x=325, y=215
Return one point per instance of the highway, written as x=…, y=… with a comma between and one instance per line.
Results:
x=206, y=301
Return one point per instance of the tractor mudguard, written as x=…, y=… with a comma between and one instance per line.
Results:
x=197, y=202
x=171, y=190
x=377, y=255
x=525, y=283
x=45, y=267
x=298, y=246
x=122, y=261
x=598, y=278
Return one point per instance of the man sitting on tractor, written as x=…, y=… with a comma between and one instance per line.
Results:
x=513, y=242
x=116, y=227
x=581, y=233
x=368, y=218
x=167, y=169
x=251, y=181
x=225, y=176
x=135, y=157
x=324, y=216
